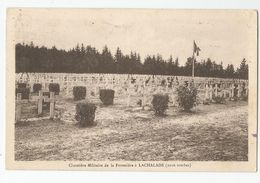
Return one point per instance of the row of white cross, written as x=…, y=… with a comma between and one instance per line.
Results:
x=209, y=92
x=111, y=79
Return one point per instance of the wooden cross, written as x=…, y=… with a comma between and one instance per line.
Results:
x=246, y=87
x=51, y=100
x=225, y=92
x=18, y=110
x=207, y=92
x=143, y=99
x=42, y=99
x=216, y=89
x=210, y=91
x=232, y=90
x=128, y=99
x=239, y=89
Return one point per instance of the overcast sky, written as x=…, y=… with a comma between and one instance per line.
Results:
x=226, y=36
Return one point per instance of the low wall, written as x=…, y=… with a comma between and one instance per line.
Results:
x=129, y=85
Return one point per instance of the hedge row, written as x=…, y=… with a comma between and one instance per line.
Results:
x=187, y=97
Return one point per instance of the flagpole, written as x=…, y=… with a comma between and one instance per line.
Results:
x=193, y=60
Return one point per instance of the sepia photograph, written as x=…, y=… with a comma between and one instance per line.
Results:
x=131, y=89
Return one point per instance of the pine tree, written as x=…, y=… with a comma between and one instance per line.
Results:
x=81, y=59
x=242, y=71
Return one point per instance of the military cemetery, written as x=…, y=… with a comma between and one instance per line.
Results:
x=102, y=92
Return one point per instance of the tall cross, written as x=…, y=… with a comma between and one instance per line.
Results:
x=51, y=100
x=18, y=109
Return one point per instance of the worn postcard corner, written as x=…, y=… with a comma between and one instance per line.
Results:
x=131, y=89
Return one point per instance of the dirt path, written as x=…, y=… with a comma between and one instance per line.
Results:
x=215, y=132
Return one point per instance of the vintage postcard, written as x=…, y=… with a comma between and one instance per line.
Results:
x=131, y=89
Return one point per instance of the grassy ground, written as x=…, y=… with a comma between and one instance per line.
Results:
x=210, y=132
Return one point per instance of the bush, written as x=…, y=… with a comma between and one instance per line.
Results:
x=160, y=104
x=163, y=83
x=139, y=102
x=37, y=87
x=235, y=89
x=79, y=92
x=187, y=96
x=107, y=96
x=206, y=102
x=244, y=95
x=21, y=85
x=85, y=113
x=24, y=91
x=219, y=99
x=227, y=95
x=54, y=87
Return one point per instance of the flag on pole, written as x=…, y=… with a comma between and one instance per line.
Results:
x=196, y=49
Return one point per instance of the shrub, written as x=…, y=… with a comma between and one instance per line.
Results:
x=54, y=87
x=227, y=95
x=79, y=92
x=163, y=83
x=206, y=102
x=85, y=113
x=37, y=87
x=187, y=96
x=244, y=95
x=139, y=102
x=133, y=80
x=21, y=85
x=46, y=105
x=160, y=104
x=219, y=99
x=107, y=96
x=24, y=91
x=235, y=90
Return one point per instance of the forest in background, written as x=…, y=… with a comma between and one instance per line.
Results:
x=87, y=59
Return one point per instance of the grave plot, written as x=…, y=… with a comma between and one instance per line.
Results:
x=35, y=108
x=120, y=82
x=212, y=133
x=130, y=91
x=129, y=129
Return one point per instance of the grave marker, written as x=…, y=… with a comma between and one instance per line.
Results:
x=18, y=108
x=210, y=91
x=239, y=88
x=216, y=89
x=52, y=101
x=207, y=92
x=40, y=99
x=232, y=90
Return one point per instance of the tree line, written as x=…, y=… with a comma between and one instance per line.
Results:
x=87, y=59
